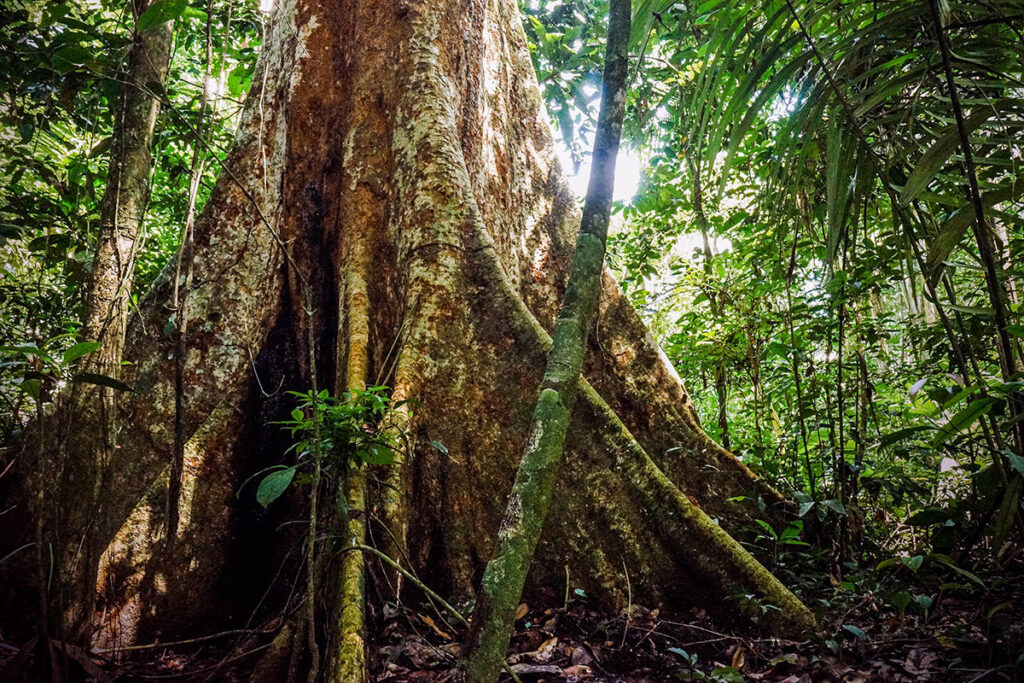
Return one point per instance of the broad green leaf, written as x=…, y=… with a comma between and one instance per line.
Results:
x=377, y=454
x=10, y=231
x=956, y=226
x=774, y=86
x=726, y=674
x=963, y=419
x=159, y=12
x=999, y=608
x=982, y=311
x=71, y=56
x=900, y=600
x=239, y=79
x=913, y=563
x=948, y=562
x=78, y=350
x=643, y=22
x=839, y=165
x=929, y=516
x=273, y=485
x=684, y=654
x=101, y=380
x=32, y=387
x=938, y=154
x=835, y=506
x=902, y=435
x=855, y=631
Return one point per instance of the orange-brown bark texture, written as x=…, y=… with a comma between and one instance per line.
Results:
x=406, y=140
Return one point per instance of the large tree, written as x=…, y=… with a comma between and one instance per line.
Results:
x=392, y=209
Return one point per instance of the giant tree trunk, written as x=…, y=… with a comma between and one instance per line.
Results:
x=394, y=167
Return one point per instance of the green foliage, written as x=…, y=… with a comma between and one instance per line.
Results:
x=38, y=371
x=566, y=41
x=353, y=430
x=63, y=66
x=159, y=12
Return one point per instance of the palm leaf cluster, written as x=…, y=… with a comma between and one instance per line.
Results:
x=773, y=80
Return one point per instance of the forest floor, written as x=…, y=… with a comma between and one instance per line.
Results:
x=962, y=638
x=967, y=634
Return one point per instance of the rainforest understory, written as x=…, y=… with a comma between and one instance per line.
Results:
x=350, y=340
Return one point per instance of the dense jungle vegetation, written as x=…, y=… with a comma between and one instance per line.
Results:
x=825, y=239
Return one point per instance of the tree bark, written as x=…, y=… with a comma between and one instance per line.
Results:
x=394, y=165
x=127, y=193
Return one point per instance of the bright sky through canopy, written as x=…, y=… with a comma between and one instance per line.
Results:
x=628, y=170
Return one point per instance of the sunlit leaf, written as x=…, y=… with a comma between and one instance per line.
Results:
x=78, y=350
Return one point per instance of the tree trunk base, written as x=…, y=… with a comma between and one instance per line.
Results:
x=395, y=168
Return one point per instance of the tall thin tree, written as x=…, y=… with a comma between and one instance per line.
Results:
x=530, y=499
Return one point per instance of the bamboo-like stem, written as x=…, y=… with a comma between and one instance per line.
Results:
x=721, y=390
x=897, y=207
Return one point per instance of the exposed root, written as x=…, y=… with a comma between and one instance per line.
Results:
x=361, y=217
x=273, y=666
x=392, y=497
x=714, y=555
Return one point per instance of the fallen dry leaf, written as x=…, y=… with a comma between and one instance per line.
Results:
x=545, y=652
x=577, y=670
x=738, y=658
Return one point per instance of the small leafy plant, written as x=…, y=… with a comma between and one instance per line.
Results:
x=348, y=431
x=777, y=542
x=40, y=369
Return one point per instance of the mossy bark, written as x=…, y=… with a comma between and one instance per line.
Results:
x=348, y=654
x=124, y=203
x=414, y=132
